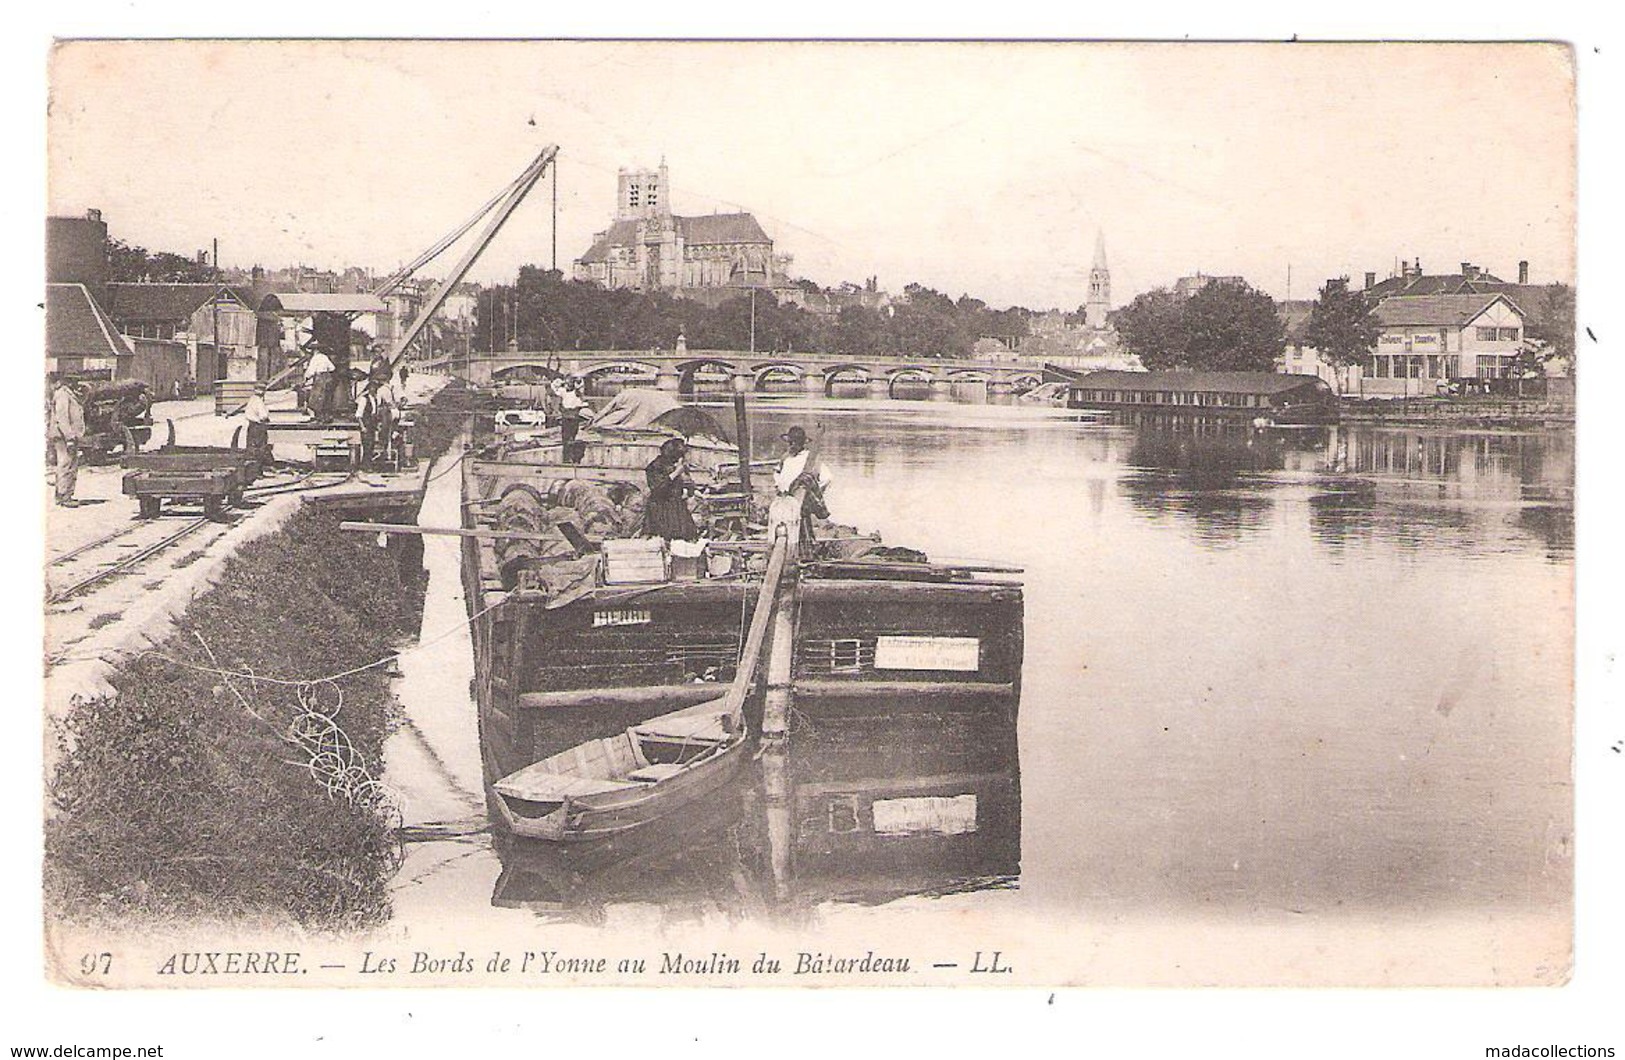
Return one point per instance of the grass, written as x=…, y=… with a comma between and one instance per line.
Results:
x=106, y=618
x=184, y=796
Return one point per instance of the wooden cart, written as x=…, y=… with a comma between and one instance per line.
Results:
x=213, y=476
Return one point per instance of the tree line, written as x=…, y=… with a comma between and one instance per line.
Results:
x=545, y=311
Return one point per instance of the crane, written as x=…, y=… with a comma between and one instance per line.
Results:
x=504, y=203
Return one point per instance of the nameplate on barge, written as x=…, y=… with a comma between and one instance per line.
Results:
x=962, y=654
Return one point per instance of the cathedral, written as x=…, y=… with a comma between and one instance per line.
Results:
x=650, y=248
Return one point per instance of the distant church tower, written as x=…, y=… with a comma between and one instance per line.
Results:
x=1099, y=301
x=641, y=193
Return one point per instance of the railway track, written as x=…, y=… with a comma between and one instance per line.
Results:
x=83, y=568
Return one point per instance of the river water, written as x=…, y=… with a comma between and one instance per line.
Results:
x=1266, y=675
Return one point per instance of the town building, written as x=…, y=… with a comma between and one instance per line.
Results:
x=1186, y=286
x=1300, y=358
x=80, y=339
x=217, y=323
x=709, y=257
x=1433, y=339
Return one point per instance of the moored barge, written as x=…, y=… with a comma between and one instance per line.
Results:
x=584, y=630
x=1273, y=398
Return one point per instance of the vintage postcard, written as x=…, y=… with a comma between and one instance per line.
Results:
x=799, y=514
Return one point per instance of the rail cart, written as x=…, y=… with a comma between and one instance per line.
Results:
x=213, y=476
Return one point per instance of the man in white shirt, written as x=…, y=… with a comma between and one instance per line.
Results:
x=67, y=431
x=259, y=420
x=798, y=469
x=318, y=382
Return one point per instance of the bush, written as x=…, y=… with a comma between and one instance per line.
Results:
x=186, y=796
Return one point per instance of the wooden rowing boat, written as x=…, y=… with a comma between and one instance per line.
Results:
x=610, y=786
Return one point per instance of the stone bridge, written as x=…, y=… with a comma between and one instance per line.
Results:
x=816, y=372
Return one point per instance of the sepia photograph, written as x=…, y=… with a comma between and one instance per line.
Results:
x=784, y=514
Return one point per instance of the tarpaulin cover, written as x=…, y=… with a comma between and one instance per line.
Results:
x=643, y=409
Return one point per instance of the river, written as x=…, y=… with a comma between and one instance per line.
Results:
x=1320, y=674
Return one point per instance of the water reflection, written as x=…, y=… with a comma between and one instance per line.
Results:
x=859, y=807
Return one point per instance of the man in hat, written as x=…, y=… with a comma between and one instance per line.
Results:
x=798, y=469
x=67, y=431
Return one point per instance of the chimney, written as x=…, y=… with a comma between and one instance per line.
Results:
x=1467, y=269
x=1523, y=273
x=1370, y=280
x=93, y=216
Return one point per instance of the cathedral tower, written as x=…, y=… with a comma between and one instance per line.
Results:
x=641, y=193
x=1099, y=300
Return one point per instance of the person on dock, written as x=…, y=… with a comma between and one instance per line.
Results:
x=67, y=431
x=666, y=514
x=259, y=422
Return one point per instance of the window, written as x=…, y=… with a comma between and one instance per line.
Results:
x=1486, y=334
x=1509, y=334
x=631, y=195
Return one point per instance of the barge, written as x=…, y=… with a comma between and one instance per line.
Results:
x=1267, y=398
x=584, y=630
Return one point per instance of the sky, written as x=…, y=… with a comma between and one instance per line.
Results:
x=985, y=168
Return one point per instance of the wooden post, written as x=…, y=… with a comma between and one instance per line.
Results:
x=742, y=430
x=785, y=516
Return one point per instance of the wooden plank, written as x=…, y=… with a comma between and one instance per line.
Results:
x=632, y=696
x=859, y=689
x=443, y=531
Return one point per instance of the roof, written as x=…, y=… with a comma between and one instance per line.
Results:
x=1213, y=382
x=1295, y=316
x=75, y=326
x=1447, y=283
x=166, y=301
x=701, y=230
x=722, y=228
x=1436, y=310
x=299, y=303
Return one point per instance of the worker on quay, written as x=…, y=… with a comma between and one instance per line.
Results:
x=319, y=373
x=67, y=431
x=258, y=415
x=666, y=514
x=369, y=415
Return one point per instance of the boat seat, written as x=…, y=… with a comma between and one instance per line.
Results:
x=651, y=774
x=701, y=728
x=554, y=787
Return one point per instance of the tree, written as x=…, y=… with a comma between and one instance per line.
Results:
x=1549, y=330
x=1230, y=327
x=1341, y=326
x=132, y=264
x=1222, y=327
x=1152, y=327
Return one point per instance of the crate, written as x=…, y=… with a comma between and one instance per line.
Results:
x=636, y=561
x=232, y=394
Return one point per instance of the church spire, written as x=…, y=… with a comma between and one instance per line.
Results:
x=1099, y=301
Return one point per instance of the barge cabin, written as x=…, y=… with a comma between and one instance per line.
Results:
x=1269, y=396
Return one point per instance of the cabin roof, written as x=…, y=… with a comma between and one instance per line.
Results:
x=1206, y=382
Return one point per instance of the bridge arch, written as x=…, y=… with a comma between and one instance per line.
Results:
x=686, y=370
x=845, y=373
x=970, y=375
x=590, y=373
x=536, y=372
x=762, y=372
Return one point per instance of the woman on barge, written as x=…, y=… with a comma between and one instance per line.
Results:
x=666, y=514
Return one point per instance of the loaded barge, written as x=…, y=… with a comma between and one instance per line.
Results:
x=586, y=633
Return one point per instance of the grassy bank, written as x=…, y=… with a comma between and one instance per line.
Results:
x=197, y=794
